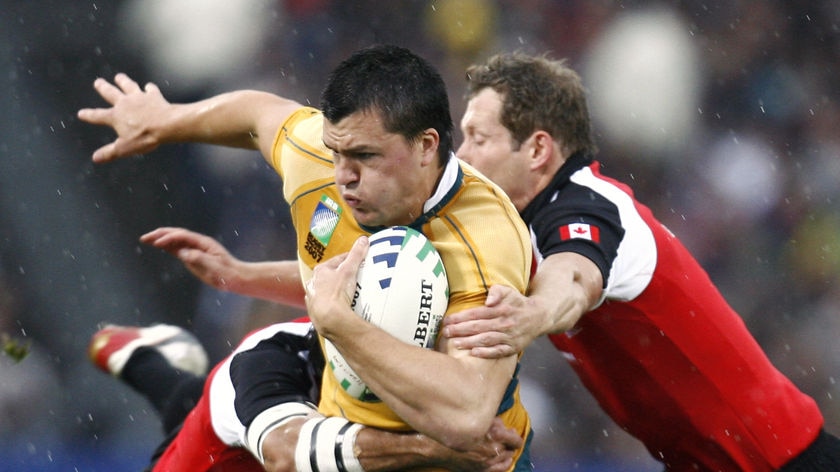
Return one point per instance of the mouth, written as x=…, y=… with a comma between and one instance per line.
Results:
x=351, y=201
x=361, y=213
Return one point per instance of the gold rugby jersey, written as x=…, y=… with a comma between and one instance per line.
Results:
x=470, y=221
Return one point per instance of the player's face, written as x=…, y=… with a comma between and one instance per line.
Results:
x=383, y=178
x=490, y=147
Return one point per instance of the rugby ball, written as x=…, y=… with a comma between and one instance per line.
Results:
x=402, y=288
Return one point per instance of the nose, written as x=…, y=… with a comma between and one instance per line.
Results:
x=463, y=152
x=346, y=174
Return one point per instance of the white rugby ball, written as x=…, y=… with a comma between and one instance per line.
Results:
x=402, y=288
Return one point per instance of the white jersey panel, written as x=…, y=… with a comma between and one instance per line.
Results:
x=635, y=262
x=226, y=424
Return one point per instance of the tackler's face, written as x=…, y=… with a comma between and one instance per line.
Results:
x=489, y=146
x=383, y=178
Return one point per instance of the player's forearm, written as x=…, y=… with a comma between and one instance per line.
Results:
x=245, y=119
x=382, y=451
x=566, y=286
x=376, y=450
x=276, y=281
x=452, y=400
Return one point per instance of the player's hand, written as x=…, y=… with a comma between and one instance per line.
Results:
x=202, y=255
x=495, y=454
x=331, y=288
x=498, y=329
x=133, y=115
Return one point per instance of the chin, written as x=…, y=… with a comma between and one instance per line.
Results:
x=366, y=219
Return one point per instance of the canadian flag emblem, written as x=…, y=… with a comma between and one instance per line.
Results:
x=580, y=230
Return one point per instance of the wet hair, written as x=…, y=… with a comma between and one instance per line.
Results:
x=403, y=88
x=537, y=93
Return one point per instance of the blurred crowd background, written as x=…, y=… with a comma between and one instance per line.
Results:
x=723, y=116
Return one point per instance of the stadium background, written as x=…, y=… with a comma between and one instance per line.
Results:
x=722, y=115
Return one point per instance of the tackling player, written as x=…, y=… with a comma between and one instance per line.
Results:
x=634, y=313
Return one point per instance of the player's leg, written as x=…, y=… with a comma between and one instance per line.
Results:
x=165, y=364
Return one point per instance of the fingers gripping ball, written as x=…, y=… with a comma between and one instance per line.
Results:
x=402, y=288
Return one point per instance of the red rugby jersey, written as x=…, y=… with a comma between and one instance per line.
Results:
x=664, y=354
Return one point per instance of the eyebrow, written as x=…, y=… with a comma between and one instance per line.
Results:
x=358, y=149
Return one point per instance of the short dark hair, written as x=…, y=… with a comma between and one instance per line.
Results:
x=408, y=93
x=537, y=93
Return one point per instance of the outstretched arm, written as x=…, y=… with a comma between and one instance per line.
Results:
x=143, y=119
x=207, y=259
x=566, y=286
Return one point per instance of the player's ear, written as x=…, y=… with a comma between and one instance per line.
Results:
x=542, y=148
x=429, y=142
